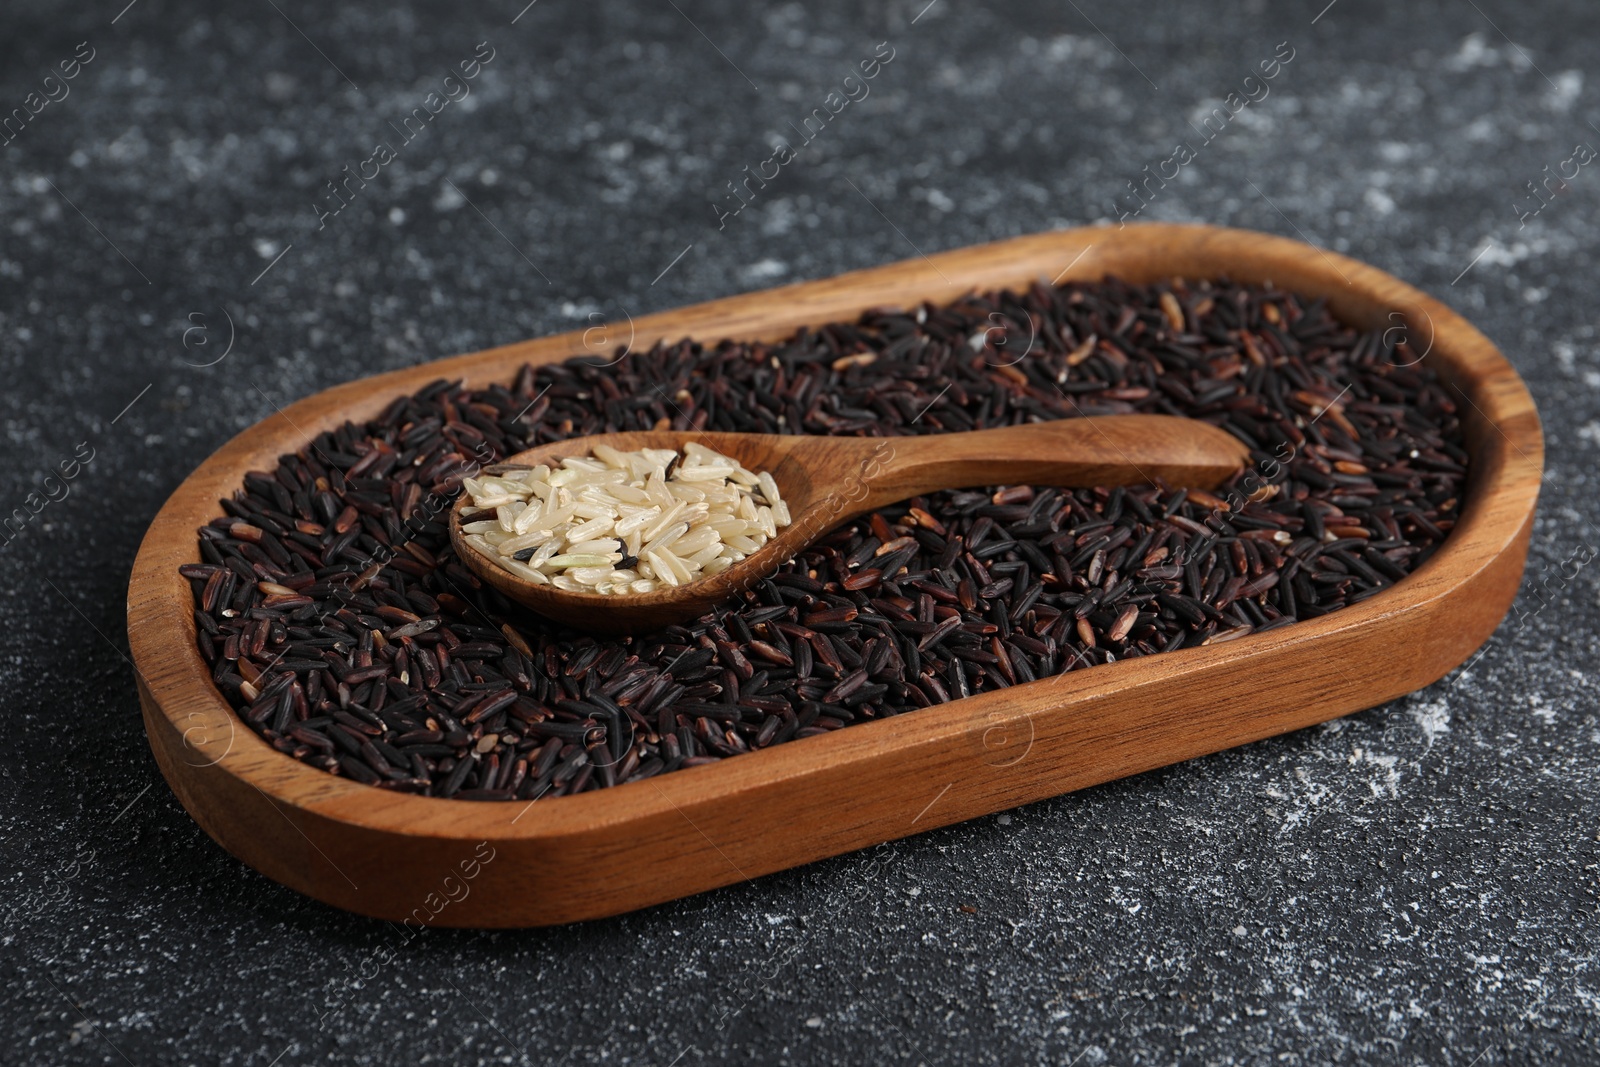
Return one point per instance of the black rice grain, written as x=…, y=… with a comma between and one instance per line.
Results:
x=338, y=623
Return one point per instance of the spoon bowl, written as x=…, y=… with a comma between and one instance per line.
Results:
x=826, y=481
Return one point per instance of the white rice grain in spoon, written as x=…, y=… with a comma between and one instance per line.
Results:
x=623, y=523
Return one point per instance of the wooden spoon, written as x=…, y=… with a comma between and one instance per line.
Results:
x=826, y=481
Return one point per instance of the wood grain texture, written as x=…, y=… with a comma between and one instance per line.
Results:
x=571, y=858
x=826, y=481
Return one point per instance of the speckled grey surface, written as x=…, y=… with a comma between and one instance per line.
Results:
x=1415, y=884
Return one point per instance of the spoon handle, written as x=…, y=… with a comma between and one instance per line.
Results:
x=1069, y=453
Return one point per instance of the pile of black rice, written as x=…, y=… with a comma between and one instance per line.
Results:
x=339, y=624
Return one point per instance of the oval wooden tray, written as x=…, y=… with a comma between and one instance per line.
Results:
x=464, y=863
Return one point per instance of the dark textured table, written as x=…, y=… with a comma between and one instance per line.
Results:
x=1412, y=884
